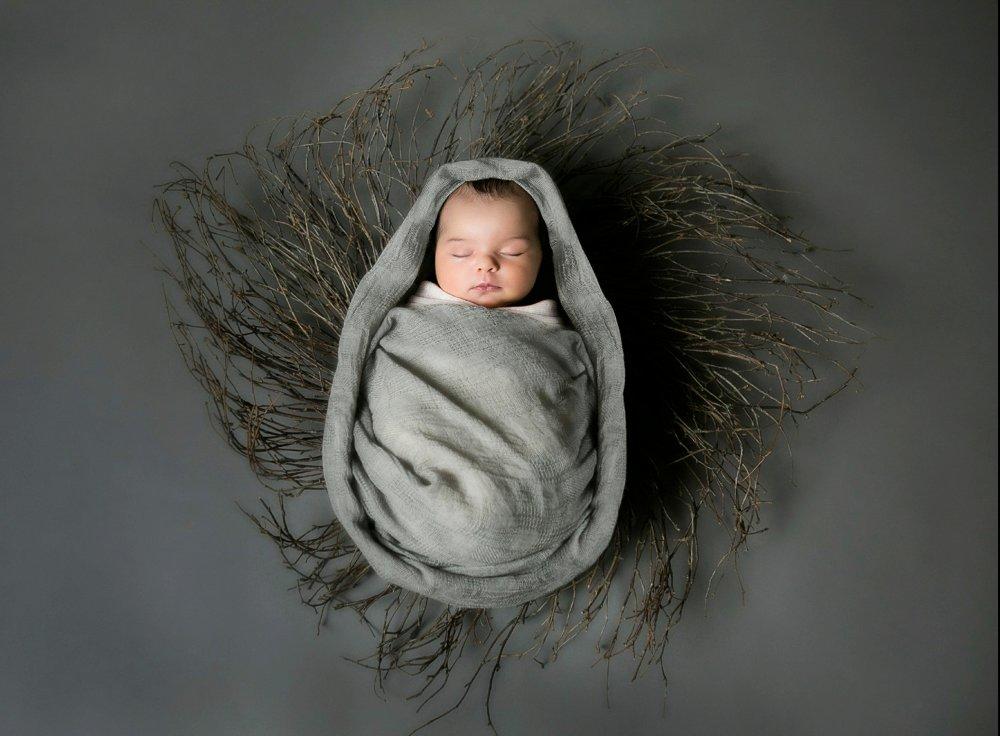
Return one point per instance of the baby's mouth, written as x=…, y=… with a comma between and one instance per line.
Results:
x=485, y=286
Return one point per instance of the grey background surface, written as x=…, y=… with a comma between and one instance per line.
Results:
x=136, y=599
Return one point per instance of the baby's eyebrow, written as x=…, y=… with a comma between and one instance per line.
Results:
x=462, y=240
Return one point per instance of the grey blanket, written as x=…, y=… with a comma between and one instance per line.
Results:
x=477, y=455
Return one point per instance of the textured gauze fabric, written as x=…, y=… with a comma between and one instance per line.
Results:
x=475, y=455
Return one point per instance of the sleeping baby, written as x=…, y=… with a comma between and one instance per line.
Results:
x=464, y=451
x=474, y=432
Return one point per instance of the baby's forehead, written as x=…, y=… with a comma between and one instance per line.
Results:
x=464, y=206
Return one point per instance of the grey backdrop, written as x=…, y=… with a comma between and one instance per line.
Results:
x=138, y=600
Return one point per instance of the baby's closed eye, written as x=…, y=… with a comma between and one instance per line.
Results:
x=466, y=255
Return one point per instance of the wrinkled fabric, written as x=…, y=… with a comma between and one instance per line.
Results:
x=477, y=455
x=473, y=437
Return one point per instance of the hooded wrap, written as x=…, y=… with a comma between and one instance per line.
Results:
x=477, y=456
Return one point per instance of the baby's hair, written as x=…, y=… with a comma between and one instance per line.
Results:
x=494, y=188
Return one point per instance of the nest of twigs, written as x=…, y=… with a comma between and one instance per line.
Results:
x=728, y=326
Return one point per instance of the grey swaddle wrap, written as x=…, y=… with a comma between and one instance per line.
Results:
x=476, y=455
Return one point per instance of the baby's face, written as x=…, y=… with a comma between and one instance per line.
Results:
x=481, y=239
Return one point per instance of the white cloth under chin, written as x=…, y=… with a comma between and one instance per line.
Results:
x=430, y=293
